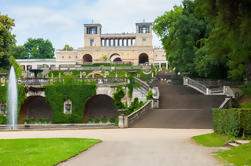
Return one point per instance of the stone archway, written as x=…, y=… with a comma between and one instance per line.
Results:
x=100, y=106
x=87, y=58
x=143, y=58
x=115, y=58
x=35, y=107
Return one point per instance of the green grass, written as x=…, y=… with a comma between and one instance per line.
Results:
x=211, y=140
x=246, y=90
x=239, y=156
x=41, y=152
x=246, y=105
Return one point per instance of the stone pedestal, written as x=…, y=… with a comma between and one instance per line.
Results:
x=155, y=103
x=123, y=119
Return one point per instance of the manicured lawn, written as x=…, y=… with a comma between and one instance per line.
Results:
x=239, y=156
x=41, y=152
x=211, y=140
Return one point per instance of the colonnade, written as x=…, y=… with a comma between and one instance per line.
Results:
x=111, y=42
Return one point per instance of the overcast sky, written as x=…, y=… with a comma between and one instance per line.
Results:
x=61, y=21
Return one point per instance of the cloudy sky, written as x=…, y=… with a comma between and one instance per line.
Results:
x=61, y=21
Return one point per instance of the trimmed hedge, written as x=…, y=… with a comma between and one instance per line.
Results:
x=77, y=92
x=232, y=122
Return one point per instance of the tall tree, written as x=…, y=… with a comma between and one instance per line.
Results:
x=232, y=35
x=38, y=49
x=7, y=40
x=184, y=32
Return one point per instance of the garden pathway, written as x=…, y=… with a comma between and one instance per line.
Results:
x=133, y=146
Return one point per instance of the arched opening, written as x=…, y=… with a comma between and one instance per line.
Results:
x=100, y=106
x=118, y=59
x=143, y=58
x=115, y=58
x=35, y=107
x=87, y=58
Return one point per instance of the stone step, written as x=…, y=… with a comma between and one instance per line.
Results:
x=233, y=144
x=241, y=142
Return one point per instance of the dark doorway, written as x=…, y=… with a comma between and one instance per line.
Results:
x=35, y=107
x=87, y=58
x=100, y=106
x=143, y=58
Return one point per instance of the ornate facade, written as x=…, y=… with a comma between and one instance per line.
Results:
x=135, y=48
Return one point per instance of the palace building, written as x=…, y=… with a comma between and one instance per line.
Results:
x=135, y=48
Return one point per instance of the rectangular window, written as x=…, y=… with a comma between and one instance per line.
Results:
x=144, y=29
x=143, y=41
x=91, y=42
x=92, y=30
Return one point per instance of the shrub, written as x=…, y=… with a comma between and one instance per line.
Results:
x=116, y=120
x=44, y=121
x=31, y=121
x=25, y=121
x=118, y=95
x=3, y=119
x=104, y=120
x=232, y=122
x=39, y=121
x=96, y=120
x=89, y=120
x=149, y=94
x=112, y=120
x=245, y=120
x=135, y=105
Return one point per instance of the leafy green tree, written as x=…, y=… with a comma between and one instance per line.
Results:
x=67, y=48
x=18, y=52
x=38, y=49
x=184, y=33
x=7, y=40
x=233, y=34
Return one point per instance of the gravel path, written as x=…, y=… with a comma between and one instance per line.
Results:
x=134, y=147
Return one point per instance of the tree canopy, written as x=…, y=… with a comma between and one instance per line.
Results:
x=208, y=38
x=7, y=41
x=67, y=48
x=38, y=49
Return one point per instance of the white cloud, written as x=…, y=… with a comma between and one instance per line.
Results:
x=66, y=24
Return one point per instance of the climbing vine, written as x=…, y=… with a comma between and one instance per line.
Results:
x=77, y=92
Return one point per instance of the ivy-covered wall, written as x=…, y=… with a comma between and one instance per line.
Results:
x=77, y=92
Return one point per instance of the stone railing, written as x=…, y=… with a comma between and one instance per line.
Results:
x=143, y=84
x=102, y=67
x=227, y=103
x=140, y=112
x=34, y=81
x=202, y=88
x=99, y=80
